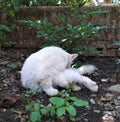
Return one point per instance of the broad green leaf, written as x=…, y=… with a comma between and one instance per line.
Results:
x=12, y=66
x=52, y=111
x=60, y=111
x=37, y=106
x=73, y=98
x=35, y=117
x=78, y=102
x=71, y=110
x=44, y=111
x=6, y=28
x=29, y=107
x=57, y=101
x=72, y=118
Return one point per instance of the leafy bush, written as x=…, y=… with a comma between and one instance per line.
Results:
x=10, y=6
x=73, y=32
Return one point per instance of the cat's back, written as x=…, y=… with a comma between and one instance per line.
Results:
x=51, y=53
x=52, y=50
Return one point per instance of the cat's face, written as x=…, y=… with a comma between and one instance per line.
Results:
x=71, y=58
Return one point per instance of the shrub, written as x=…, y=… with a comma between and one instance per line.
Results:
x=73, y=33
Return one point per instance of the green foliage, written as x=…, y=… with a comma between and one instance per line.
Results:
x=35, y=115
x=39, y=2
x=62, y=105
x=58, y=106
x=10, y=6
x=3, y=30
x=28, y=93
x=73, y=31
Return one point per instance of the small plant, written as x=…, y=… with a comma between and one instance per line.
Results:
x=58, y=106
x=27, y=93
x=35, y=115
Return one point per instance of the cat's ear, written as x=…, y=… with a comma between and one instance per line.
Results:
x=73, y=57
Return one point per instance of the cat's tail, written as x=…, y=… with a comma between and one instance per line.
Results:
x=87, y=69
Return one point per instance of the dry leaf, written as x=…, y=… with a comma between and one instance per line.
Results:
x=18, y=112
x=104, y=79
x=8, y=101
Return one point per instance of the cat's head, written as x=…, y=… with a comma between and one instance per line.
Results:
x=71, y=58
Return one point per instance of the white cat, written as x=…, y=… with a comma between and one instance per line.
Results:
x=73, y=76
x=41, y=68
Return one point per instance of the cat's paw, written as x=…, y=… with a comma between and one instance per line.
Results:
x=92, y=86
x=51, y=91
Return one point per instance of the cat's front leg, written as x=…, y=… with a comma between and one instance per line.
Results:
x=51, y=91
x=46, y=86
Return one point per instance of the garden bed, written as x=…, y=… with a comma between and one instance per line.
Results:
x=25, y=37
x=14, y=98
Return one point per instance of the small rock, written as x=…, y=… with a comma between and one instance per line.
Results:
x=108, y=107
x=114, y=113
x=109, y=96
x=107, y=113
x=97, y=111
x=117, y=108
x=108, y=118
x=92, y=101
x=118, y=97
x=3, y=63
x=4, y=110
x=114, y=88
x=93, y=95
x=116, y=102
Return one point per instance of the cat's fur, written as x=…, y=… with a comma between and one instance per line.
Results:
x=41, y=68
x=73, y=76
x=50, y=67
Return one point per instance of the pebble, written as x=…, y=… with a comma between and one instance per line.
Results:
x=97, y=111
x=107, y=113
x=114, y=88
x=4, y=110
x=92, y=101
x=117, y=108
x=3, y=63
x=108, y=106
x=109, y=95
x=108, y=118
x=118, y=97
x=93, y=95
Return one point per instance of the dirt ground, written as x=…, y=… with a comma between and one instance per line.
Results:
x=14, y=98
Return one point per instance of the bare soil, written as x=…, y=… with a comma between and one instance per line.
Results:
x=14, y=98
